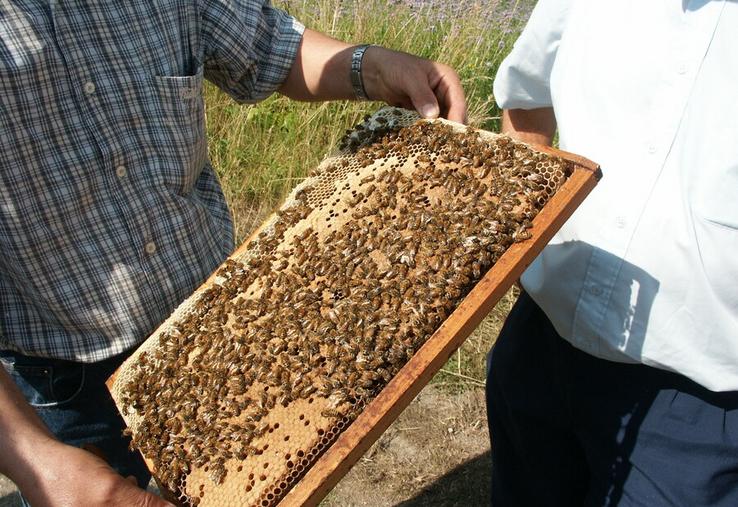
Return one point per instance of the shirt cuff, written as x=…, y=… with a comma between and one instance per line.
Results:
x=287, y=38
x=519, y=87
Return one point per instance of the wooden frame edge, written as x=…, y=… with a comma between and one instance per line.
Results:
x=328, y=470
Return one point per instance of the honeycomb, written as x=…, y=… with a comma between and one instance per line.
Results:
x=239, y=392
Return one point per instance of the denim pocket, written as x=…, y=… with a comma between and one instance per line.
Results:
x=47, y=385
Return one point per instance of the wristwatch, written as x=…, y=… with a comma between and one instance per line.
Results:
x=357, y=82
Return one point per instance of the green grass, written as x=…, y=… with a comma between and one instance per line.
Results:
x=260, y=152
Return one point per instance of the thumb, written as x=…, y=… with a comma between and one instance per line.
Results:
x=151, y=500
x=146, y=499
x=422, y=96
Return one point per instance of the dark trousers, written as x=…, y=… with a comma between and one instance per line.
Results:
x=569, y=429
x=72, y=400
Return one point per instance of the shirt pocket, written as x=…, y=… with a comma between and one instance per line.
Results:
x=157, y=126
x=715, y=221
x=717, y=198
x=182, y=89
x=182, y=147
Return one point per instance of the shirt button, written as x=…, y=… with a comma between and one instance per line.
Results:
x=620, y=222
x=89, y=87
x=682, y=69
x=150, y=247
x=595, y=291
x=652, y=149
x=120, y=171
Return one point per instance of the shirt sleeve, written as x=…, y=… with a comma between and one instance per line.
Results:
x=523, y=79
x=249, y=46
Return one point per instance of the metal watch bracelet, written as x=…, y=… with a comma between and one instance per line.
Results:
x=357, y=82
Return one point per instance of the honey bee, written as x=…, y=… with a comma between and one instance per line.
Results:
x=331, y=414
x=307, y=391
x=217, y=474
x=522, y=235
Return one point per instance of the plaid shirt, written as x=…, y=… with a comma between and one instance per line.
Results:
x=110, y=213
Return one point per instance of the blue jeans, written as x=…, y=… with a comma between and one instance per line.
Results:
x=569, y=429
x=72, y=400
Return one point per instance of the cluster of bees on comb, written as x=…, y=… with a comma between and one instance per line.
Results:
x=338, y=293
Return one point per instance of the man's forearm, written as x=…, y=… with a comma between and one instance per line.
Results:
x=50, y=473
x=533, y=126
x=22, y=434
x=322, y=71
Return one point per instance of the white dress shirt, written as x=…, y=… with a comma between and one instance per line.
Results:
x=646, y=270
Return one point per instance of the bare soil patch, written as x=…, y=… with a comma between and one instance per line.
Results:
x=436, y=453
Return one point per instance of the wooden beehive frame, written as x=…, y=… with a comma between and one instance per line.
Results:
x=381, y=411
x=397, y=395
